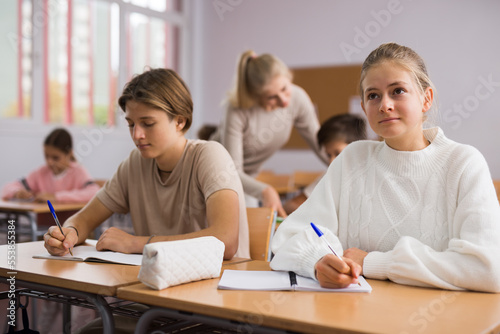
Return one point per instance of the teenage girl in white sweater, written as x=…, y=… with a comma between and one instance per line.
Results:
x=416, y=208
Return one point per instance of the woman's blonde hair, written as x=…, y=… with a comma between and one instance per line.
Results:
x=162, y=89
x=252, y=75
x=403, y=56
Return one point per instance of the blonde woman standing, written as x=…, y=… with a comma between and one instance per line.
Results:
x=261, y=111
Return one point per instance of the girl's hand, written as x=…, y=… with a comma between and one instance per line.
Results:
x=357, y=255
x=23, y=194
x=44, y=197
x=332, y=272
x=271, y=199
x=58, y=244
x=116, y=240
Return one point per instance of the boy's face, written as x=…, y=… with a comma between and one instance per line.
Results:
x=333, y=148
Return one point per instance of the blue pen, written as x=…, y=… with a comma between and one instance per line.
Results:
x=321, y=236
x=57, y=221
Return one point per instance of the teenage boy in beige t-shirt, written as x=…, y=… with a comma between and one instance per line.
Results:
x=174, y=188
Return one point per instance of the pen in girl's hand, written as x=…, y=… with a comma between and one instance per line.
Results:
x=57, y=221
x=320, y=235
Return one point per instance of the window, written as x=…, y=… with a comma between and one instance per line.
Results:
x=152, y=42
x=82, y=55
x=79, y=69
x=15, y=24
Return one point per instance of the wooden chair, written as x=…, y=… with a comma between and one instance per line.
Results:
x=283, y=183
x=496, y=183
x=302, y=179
x=261, y=225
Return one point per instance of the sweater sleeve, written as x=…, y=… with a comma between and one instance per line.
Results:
x=471, y=259
x=11, y=188
x=85, y=188
x=307, y=123
x=80, y=195
x=295, y=244
x=28, y=183
x=232, y=139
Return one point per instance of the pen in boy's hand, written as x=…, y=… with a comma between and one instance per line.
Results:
x=57, y=221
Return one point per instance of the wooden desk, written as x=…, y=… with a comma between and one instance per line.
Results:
x=89, y=281
x=84, y=280
x=283, y=183
x=390, y=308
x=302, y=179
x=33, y=210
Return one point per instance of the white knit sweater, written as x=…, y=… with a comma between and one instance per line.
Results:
x=427, y=218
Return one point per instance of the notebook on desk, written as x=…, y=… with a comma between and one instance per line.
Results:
x=279, y=280
x=91, y=254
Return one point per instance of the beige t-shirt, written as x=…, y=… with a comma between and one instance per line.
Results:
x=177, y=206
x=252, y=136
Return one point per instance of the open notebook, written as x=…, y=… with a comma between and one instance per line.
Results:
x=280, y=280
x=86, y=253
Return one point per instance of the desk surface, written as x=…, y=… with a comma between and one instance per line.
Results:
x=19, y=206
x=390, y=308
x=99, y=278
x=281, y=182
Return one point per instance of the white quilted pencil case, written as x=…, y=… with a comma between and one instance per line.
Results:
x=171, y=263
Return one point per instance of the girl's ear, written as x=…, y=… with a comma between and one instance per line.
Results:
x=180, y=122
x=428, y=99
x=363, y=106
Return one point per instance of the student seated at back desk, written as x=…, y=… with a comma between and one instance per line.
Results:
x=417, y=208
x=61, y=180
x=333, y=136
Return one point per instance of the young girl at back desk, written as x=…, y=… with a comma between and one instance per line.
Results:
x=173, y=188
x=417, y=208
x=261, y=112
x=60, y=180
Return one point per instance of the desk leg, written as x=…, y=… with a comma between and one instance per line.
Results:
x=97, y=300
x=34, y=226
x=31, y=216
x=66, y=313
x=156, y=312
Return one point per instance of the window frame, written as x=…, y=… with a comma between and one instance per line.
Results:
x=38, y=124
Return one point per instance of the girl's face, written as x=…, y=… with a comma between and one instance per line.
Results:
x=276, y=94
x=153, y=133
x=334, y=148
x=395, y=107
x=56, y=159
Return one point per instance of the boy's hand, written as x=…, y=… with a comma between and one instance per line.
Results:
x=116, y=240
x=56, y=243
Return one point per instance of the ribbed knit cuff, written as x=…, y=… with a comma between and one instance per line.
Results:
x=376, y=265
x=309, y=258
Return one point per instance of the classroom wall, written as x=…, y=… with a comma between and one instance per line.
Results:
x=457, y=39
